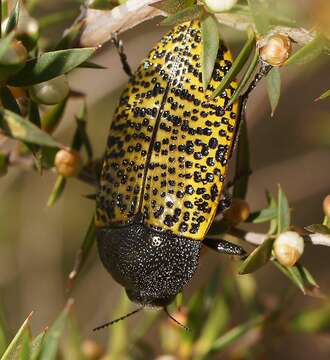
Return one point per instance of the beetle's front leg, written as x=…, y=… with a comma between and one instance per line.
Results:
x=225, y=247
x=242, y=101
x=123, y=58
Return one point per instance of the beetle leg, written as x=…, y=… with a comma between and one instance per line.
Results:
x=225, y=201
x=237, y=178
x=263, y=71
x=123, y=58
x=242, y=101
x=225, y=247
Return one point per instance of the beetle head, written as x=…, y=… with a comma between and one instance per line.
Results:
x=153, y=266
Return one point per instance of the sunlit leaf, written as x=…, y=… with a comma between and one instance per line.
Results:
x=19, y=128
x=179, y=300
x=301, y=277
x=246, y=77
x=51, y=341
x=263, y=215
x=274, y=88
x=13, y=347
x=318, y=228
x=118, y=335
x=83, y=252
x=210, y=46
x=187, y=14
x=272, y=205
x=325, y=95
x=309, y=52
x=284, y=213
x=213, y=325
x=258, y=258
x=237, y=65
x=3, y=326
x=13, y=18
x=236, y=333
x=57, y=190
x=24, y=353
x=36, y=345
x=52, y=118
x=50, y=65
x=307, y=276
x=73, y=343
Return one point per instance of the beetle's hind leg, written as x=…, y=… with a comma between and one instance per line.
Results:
x=123, y=58
x=225, y=247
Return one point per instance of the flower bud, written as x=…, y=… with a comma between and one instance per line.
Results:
x=238, y=211
x=50, y=92
x=275, y=49
x=67, y=162
x=13, y=59
x=219, y=5
x=92, y=350
x=326, y=206
x=15, y=54
x=288, y=248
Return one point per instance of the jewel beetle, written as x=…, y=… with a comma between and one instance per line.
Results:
x=164, y=169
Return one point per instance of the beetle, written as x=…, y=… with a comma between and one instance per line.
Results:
x=164, y=169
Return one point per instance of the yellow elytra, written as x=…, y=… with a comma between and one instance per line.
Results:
x=169, y=142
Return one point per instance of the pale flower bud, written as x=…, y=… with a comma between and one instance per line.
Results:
x=67, y=162
x=275, y=49
x=220, y=5
x=288, y=248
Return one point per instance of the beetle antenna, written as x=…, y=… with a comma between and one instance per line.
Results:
x=175, y=320
x=117, y=320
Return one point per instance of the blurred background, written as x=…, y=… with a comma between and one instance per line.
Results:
x=38, y=244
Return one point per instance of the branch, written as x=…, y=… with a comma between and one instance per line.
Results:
x=99, y=24
x=258, y=238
